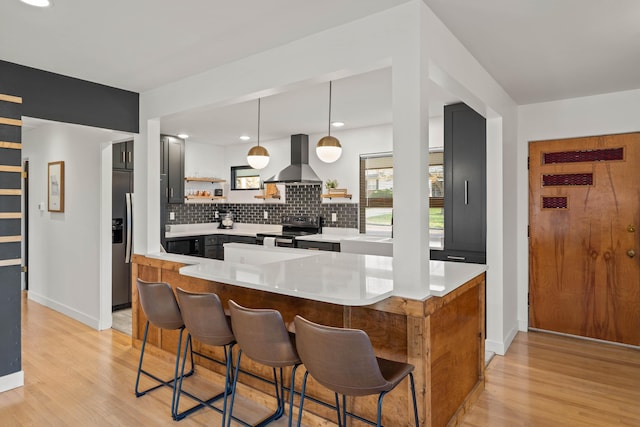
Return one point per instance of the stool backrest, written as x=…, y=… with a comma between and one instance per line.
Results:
x=340, y=359
x=159, y=304
x=263, y=336
x=204, y=317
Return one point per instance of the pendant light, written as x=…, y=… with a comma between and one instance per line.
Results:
x=329, y=149
x=258, y=157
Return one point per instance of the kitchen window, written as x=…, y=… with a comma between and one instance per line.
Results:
x=376, y=195
x=245, y=178
x=436, y=199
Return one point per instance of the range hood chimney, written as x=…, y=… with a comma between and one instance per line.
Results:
x=299, y=170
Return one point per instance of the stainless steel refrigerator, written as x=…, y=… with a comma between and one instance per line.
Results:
x=121, y=238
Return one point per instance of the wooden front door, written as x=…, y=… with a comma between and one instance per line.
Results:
x=584, y=250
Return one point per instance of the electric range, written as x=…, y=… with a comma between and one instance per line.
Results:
x=293, y=226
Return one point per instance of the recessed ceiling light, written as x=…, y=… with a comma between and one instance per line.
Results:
x=337, y=124
x=245, y=137
x=183, y=136
x=37, y=3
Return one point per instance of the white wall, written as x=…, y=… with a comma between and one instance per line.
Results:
x=419, y=47
x=69, y=267
x=587, y=116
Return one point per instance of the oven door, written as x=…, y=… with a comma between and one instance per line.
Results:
x=282, y=241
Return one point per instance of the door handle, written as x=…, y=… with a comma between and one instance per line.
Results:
x=466, y=192
x=631, y=253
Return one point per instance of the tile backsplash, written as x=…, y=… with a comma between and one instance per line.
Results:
x=300, y=200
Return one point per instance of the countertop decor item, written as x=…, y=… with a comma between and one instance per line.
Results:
x=331, y=183
x=329, y=149
x=258, y=157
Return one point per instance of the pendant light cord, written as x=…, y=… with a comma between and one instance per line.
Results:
x=329, y=127
x=258, y=122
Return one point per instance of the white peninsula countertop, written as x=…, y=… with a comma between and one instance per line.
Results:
x=332, y=277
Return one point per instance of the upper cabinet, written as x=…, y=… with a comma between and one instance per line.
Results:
x=172, y=165
x=123, y=155
x=465, y=185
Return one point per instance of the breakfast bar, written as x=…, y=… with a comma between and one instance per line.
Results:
x=441, y=334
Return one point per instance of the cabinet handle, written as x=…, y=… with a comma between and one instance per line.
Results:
x=466, y=192
x=122, y=155
x=171, y=193
x=129, y=153
x=458, y=258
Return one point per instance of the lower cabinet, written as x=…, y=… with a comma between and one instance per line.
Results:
x=214, y=244
x=319, y=246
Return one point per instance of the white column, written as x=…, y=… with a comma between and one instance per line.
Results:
x=410, y=162
x=146, y=188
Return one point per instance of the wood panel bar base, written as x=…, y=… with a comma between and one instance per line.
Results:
x=443, y=337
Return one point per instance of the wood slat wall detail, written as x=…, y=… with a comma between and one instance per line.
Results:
x=10, y=242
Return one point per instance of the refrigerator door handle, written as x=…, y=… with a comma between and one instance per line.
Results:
x=129, y=204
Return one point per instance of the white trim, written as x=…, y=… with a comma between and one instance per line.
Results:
x=501, y=347
x=65, y=309
x=523, y=325
x=11, y=381
x=562, y=334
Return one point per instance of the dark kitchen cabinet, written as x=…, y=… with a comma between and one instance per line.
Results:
x=249, y=240
x=123, y=155
x=172, y=165
x=465, y=187
x=214, y=244
x=320, y=246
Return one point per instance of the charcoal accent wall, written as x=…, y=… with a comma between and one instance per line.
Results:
x=10, y=234
x=66, y=99
x=300, y=200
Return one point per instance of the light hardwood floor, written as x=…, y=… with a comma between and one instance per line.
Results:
x=76, y=376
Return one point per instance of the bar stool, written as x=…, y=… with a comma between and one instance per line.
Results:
x=161, y=309
x=207, y=323
x=263, y=336
x=343, y=361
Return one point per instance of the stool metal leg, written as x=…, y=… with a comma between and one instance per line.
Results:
x=201, y=402
x=302, y=392
x=161, y=382
x=415, y=402
x=292, y=393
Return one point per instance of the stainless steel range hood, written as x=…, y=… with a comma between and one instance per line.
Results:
x=299, y=170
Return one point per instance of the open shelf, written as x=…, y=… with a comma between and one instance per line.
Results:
x=192, y=197
x=336, y=193
x=199, y=179
x=270, y=192
x=272, y=196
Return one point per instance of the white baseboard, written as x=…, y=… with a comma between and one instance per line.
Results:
x=523, y=325
x=92, y=322
x=501, y=347
x=12, y=381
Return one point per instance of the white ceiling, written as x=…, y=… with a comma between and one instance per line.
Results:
x=538, y=50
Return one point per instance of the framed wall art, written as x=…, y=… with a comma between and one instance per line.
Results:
x=55, y=187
